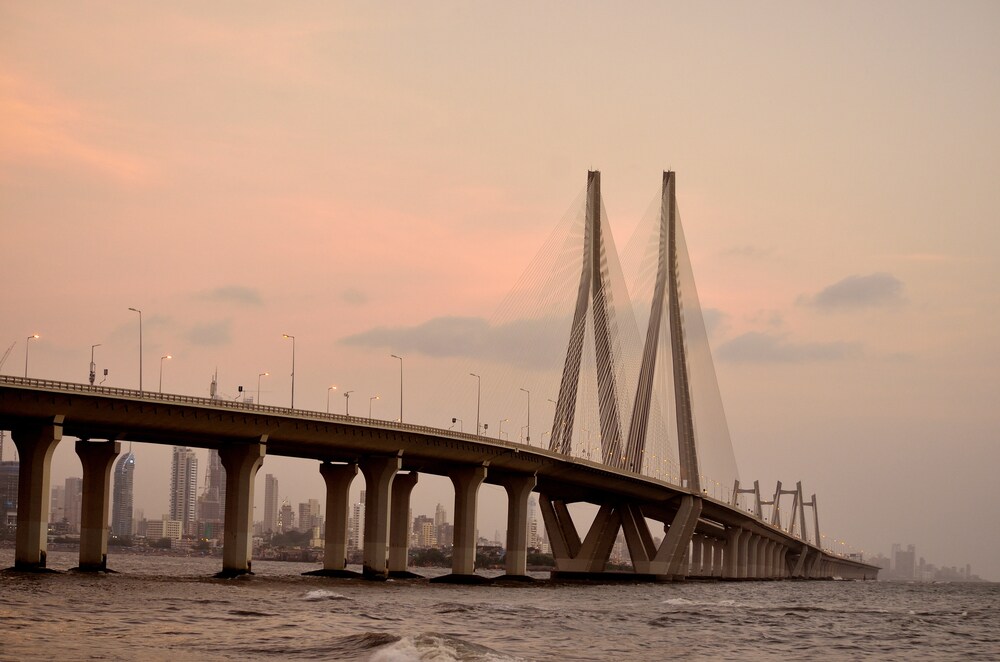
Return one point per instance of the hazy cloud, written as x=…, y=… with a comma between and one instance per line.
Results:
x=756, y=347
x=211, y=334
x=354, y=297
x=246, y=296
x=714, y=319
x=875, y=290
x=535, y=343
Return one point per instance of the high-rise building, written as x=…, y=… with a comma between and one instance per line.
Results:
x=57, y=505
x=73, y=503
x=533, y=542
x=184, y=488
x=356, y=526
x=309, y=515
x=212, y=502
x=286, y=518
x=122, y=501
x=270, y=504
x=9, y=471
x=424, y=532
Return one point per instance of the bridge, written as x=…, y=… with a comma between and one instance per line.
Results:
x=705, y=534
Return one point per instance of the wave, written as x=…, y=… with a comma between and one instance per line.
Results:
x=319, y=595
x=439, y=648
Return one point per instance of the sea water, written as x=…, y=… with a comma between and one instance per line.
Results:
x=172, y=609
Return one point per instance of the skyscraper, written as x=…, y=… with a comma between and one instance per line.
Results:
x=270, y=504
x=122, y=501
x=184, y=488
x=73, y=503
x=212, y=502
x=9, y=471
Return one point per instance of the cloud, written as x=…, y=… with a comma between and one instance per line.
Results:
x=212, y=334
x=714, y=320
x=872, y=291
x=234, y=294
x=756, y=347
x=354, y=297
x=534, y=343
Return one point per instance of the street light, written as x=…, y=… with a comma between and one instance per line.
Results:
x=285, y=335
x=400, y=385
x=500, y=427
x=347, y=403
x=93, y=366
x=374, y=397
x=27, y=344
x=161, y=370
x=461, y=424
x=329, y=388
x=528, y=437
x=136, y=310
x=479, y=393
x=259, y=375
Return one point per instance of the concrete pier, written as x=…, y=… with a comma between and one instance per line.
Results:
x=241, y=463
x=399, y=525
x=96, y=457
x=463, y=560
x=379, y=473
x=518, y=491
x=338, y=479
x=35, y=445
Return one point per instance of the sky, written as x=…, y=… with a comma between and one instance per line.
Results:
x=239, y=171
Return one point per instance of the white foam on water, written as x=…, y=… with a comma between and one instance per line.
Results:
x=320, y=594
x=678, y=602
x=435, y=648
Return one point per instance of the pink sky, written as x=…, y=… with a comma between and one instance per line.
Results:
x=242, y=171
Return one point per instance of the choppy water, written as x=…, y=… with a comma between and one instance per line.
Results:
x=169, y=608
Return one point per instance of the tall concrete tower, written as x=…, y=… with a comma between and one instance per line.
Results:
x=122, y=498
x=270, y=504
x=212, y=502
x=184, y=488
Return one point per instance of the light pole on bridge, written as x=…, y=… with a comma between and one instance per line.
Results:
x=461, y=424
x=374, y=397
x=285, y=335
x=528, y=436
x=27, y=344
x=500, y=427
x=168, y=357
x=479, y=394
x=347, y=403
x=328, y=389
x=93, y=366
x=136, y=310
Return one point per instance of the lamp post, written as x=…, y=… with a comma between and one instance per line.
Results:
x=285, y=335
x=500, y=427
x=479, y=393
x=461, y=424
x=347, y=403
x=259, y=375
x=168, y=357
x=374, y=397
x=27, y=344
x=400, y=385
x=329, y=388
x=528, y=436
x=93, y=366
x=136, y=310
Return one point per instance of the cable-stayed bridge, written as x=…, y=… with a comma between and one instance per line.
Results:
x=637, y=429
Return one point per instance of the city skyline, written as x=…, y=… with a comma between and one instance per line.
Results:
x=337, y=174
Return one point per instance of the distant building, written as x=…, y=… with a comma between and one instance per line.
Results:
x=270, y=504
x=122, y=501
x=356, y=525
x=424, y=532
x=73, y=503
x=309, y=515
x=184, y=488
x=212, y=502
x=57, y=505
x=9, y=471
x=286, y=518
x=157, y=529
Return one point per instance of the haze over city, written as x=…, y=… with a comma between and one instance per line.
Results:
x=358, y=175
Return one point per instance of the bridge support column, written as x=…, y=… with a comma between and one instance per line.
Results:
x=338, y=479
x=573, y=557
x=696, y=568
x=96, y=458
x=743, y=561
x=752, y=556
x=241, y=463
x=768, y=559
x=670, y=557
x=34, y=447
x=379, y=473
x=718, y=557
x=463, y=552
x=399, y=525
x=732, y=553
x=518, y=490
